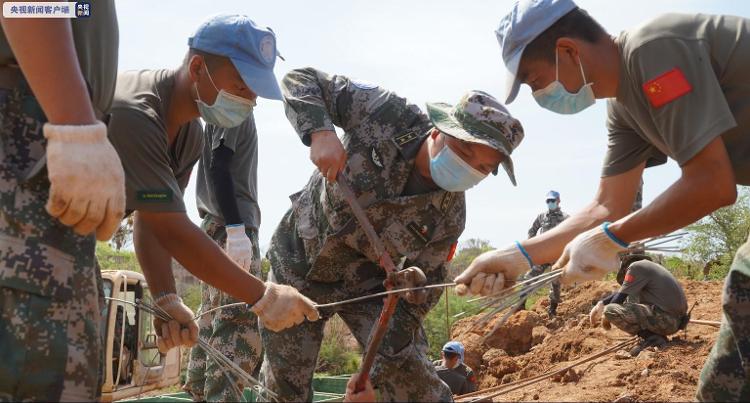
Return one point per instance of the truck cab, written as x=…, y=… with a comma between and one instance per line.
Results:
x=133, y=364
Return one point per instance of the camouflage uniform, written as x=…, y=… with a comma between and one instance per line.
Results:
x=233, y=331
x=49, y=329
x=320, y=249
x=544, y=222
x=632, y=318
x=726, y=374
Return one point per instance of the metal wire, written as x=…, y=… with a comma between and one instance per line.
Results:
x=481, y=395
x=227, y=365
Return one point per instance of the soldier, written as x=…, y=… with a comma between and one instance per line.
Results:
x=155, y=128
x=676, y=88
x=544, y=222
x=452, y=370
x=227, y=201
x=650, y=303
x=54, y=151
x=409, y=172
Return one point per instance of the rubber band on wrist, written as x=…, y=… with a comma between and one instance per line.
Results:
x=605, y=227
x=525, y=254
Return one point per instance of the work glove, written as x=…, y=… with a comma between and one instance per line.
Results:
x=596, y=314
x=181, y=330
x=590, y=256
x=490, y=271
x=283, y=306
x=87, y=182
x=238, y=246
x=327, y=153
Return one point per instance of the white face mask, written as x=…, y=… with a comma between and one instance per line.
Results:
x=228, y=110
x=451, y=172
x=556, y=98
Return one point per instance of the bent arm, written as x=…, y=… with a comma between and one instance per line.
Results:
x=223, y=185
x=613, y=201
x=173, y=234
x=707, y=183
x=63, y=101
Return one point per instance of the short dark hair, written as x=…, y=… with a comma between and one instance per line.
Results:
x=627, y=260
x=211, y=59
x=575, y=24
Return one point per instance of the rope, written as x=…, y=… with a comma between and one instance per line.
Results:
x=522, y=383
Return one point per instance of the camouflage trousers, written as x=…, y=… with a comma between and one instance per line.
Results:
x=554, y=287
x=233, y=331
x=402, y=370
x=50, y=316
x=726, y=373
x=633, y=318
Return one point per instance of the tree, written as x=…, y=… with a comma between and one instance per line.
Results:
x=468, y=251
x=717, y=236
x=124, y=234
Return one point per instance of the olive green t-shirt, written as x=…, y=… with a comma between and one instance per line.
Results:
x=243, y=141
x=156, y=173
x=96, y=40
x=685, y=79
x=654, y=285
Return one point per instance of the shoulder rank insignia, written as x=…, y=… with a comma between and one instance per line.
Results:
x=376, y=159
x=447, y=202
x=405, y=138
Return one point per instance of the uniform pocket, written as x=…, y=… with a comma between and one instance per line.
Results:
x=35, y=268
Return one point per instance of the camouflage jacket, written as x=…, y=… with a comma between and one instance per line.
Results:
x=546, y=221
x=382, y=132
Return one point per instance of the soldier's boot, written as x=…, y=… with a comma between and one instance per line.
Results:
x=648, y=339
x=552, y=309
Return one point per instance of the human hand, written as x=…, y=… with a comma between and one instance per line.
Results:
x=283, y=306
x=238, y=246
x=181, y=330
x=366, y=395
x=490, y=271
x=327, y=153
x=590, y=256
x=87, y=182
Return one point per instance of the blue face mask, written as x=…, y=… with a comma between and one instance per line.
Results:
x=227, y=111
x=556, y=98
x=552, y=205
x=452, y=173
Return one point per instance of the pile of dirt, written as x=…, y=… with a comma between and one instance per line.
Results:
x=530, y=344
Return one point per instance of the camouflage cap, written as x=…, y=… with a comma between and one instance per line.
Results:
x=480, y=118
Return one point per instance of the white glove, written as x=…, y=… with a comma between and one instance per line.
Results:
x=283, y=306
x=181, y=330
x=87, y=182
x=590, y=256
x=239, y=247
x=489, y=272
x=595, y=316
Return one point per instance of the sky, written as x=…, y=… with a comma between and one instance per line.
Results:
x=426, y=51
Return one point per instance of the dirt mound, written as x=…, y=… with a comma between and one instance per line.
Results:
x=530, y=344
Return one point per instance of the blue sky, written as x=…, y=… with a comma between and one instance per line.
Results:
x=426, y=51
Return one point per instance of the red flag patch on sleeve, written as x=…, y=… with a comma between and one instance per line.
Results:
x=667, y=87
x=452, y=252
x=629, y=278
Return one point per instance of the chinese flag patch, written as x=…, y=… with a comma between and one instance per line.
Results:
x=629, y=278
x=667, y=87
x=452, y=252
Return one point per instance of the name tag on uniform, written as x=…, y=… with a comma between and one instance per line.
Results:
x=155, y=196
x=422, y=232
